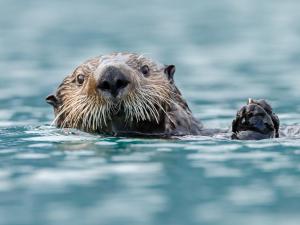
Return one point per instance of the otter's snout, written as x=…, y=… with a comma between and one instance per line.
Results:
x=113, y=81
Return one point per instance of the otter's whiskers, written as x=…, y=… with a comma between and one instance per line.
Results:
x=79, y=113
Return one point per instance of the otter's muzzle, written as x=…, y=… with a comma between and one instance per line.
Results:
x=113, y=81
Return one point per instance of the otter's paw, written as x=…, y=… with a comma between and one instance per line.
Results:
x=255, y=121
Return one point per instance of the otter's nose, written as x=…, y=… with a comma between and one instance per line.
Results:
x=112, y=81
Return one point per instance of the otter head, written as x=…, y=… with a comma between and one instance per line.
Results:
x=115, y=93
x=255, y=121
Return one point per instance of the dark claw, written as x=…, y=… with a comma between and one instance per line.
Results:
x=255, y=121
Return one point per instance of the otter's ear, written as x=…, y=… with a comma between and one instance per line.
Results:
x=52, y=100
x=169, y=71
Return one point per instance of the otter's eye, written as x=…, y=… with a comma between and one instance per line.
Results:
x=80, y=78
x=145, y=70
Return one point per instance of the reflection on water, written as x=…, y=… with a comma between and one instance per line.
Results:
x=224, y=51
x=64, y=176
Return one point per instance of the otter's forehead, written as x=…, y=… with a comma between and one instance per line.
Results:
x=131, y=59
x=117, y=58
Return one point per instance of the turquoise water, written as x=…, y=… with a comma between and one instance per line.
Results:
x=225, y=51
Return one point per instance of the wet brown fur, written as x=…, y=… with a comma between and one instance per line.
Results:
x=153, y=104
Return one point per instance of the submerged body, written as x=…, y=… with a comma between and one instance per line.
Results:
x=129, y=94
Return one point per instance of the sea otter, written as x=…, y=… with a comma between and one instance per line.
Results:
x=130, y=94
